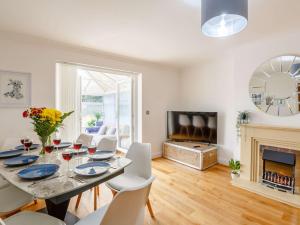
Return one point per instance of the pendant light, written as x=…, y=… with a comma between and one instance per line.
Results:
x=222, y=18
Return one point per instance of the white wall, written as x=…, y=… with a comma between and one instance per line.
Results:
x=222, y=85
x=209, y=88
x=20, y=53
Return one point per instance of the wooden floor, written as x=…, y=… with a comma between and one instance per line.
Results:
x=184, y=196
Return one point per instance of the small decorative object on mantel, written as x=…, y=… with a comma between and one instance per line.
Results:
x=242, y=118
x=46, y=121
x=15, y=89
x=235, y=167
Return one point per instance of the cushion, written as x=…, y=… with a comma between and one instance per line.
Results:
x=94, y=218
x=125, y=181
x=102, y=130
x=32, y=218
x=111, y=131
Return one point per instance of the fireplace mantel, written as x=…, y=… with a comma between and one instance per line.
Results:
x=253, y=136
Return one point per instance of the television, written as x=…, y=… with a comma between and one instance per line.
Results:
x=192, y=126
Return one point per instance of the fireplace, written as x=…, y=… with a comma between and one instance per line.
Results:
x=270, y=157
x=278, y=170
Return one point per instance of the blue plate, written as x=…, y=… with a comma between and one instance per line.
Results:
x=21, y=160
x=10, y=153
x=92, y=168
x=33, y=146
x=38, y=171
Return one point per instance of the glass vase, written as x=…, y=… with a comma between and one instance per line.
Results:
x=45, y=141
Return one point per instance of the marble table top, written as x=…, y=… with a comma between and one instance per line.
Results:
x=61, y=182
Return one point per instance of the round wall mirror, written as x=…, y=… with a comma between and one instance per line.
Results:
x=275, y=86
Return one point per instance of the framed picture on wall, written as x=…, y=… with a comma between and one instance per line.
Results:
x=15, y=89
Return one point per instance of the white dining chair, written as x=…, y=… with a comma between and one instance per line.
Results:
x=136, y=173
x=126, y=208
x=115, y=213
x=3, y=182
x=32, y=218
x=13, y=199
x=107, y=144
x=84, y=139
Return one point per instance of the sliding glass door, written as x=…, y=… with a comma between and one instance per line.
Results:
x=125, y=112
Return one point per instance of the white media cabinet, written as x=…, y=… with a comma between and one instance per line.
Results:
x=197, y=155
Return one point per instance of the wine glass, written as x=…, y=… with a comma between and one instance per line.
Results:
x=49, y=148
x=67, y=155
x=27, y=144
x=92, y=149
x=77, y=146
x=56, y=142
x=24, y=139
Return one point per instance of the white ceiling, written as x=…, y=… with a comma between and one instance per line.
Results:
x=164, y=31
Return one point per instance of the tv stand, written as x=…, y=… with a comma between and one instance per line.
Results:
x=193, y=154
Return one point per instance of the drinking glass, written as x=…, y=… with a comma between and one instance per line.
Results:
x=67, y=155
x=27, y=144
x=77, y=146
x=49, y=148
x=56, y=142
x=24, y=139
x=92, y=149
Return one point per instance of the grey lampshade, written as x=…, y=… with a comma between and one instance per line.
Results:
x=221, y=18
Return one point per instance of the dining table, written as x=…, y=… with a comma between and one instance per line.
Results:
x=58, y=189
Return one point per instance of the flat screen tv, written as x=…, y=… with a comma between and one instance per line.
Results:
x=192, y=126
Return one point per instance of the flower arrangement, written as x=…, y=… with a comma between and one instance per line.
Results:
x=46, y=121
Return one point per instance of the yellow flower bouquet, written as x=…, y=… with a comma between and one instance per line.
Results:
x=46, y=121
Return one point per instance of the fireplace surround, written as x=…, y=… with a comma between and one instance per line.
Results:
x=272, y=149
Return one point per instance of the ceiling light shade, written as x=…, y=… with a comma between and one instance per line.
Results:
x=221, y=18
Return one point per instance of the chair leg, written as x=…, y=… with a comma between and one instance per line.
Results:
x=98, y=190
x=113, y=192
x=78, y=200
x=150, y=208
x=35, y=201
x=95, y=198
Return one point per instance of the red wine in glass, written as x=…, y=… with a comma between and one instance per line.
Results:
x=77, y=146
x=27, y=144
x=92, y=149
x=67, y=156
x=56, y=141
x=49, y=148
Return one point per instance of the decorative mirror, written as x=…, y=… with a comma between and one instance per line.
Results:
x=275, y=86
